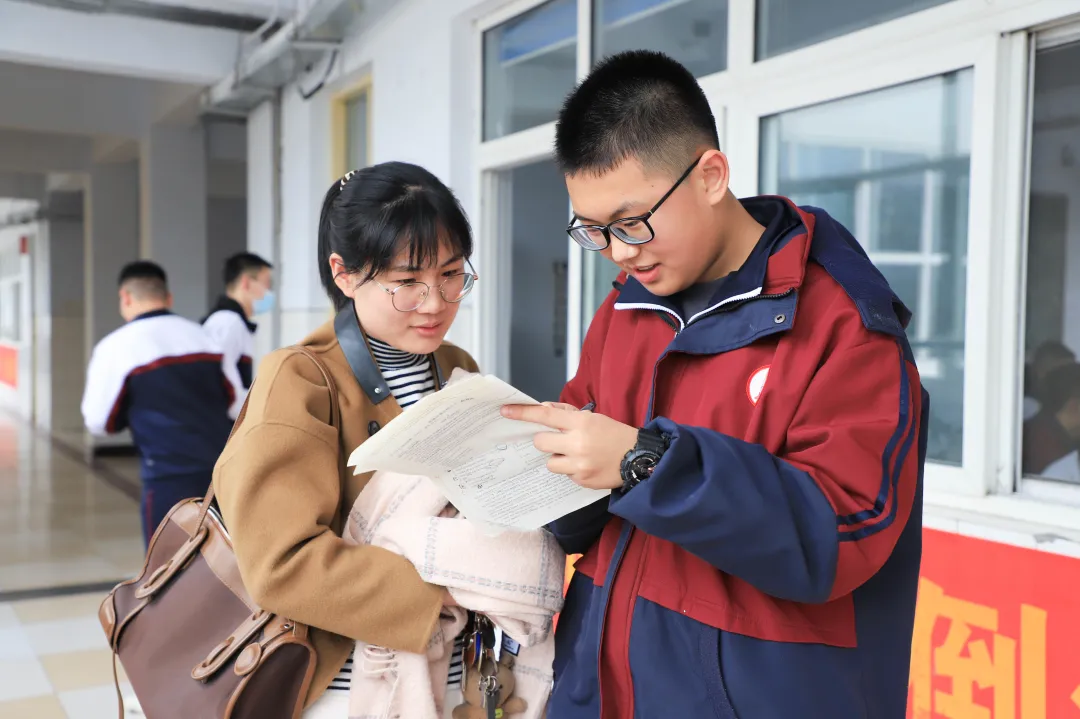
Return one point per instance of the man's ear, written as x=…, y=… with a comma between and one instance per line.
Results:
x=169, y=300
x=715, y=175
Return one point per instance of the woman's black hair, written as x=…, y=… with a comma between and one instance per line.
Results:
x=371, y=215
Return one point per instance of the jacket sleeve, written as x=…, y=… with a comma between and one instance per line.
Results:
x=578, y=531
x=103, y=406
x=278, y=486
x=229, y=332
x=820, y=519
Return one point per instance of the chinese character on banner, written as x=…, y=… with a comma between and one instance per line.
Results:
x=980, y=643
x=970, y=662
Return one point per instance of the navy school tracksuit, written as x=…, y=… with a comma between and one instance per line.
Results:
x=162, y=376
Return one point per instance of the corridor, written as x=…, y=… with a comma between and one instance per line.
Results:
x=68, y=533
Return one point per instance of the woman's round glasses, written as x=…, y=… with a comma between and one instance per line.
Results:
x=631, y=230
x=411, y=296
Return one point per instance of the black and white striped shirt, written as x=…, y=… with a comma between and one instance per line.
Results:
x=410, y=378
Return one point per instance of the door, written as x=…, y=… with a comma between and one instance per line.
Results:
x=537, y=290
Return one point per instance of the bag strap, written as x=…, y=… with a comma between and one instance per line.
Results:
x=335, y=422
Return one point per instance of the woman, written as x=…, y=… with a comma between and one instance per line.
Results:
x=393, y=256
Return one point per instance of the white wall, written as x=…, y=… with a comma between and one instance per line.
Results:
x=305, y=176
x=426, y=125
x=67, y=371
x=226, y=234
x=172, y=212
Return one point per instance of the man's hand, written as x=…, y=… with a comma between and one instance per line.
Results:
x=588, y=448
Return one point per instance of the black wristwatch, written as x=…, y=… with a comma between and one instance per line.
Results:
x=639, y=462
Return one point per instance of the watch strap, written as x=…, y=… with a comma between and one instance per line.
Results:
x=651, y=441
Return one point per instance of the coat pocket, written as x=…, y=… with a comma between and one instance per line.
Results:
x=713, y=673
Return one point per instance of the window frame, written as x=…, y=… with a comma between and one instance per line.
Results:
x=339, y=127
x=1016, y=150
x=493, y=158
x=977, y=34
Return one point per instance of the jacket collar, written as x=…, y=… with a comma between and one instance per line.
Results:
x=793, y=237
x=224, y=302
x=151, y=314
x=777, y=258
x=355, y=347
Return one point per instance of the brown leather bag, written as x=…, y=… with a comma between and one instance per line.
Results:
x=190, y=638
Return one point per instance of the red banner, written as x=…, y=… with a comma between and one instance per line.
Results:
x=9, y=366
x=997, y=631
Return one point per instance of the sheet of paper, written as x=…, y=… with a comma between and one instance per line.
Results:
x=485, y=464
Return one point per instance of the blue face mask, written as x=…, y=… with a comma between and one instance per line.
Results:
x=264, y=304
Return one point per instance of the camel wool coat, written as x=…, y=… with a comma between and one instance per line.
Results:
x=278, y=484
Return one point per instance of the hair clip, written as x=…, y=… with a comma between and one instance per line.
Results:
x=348, y=176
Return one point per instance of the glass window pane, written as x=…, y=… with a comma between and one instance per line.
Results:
x=356, y=132
x=694, y=32
x=538, y=279
x=530, y=64
x=1051, y=406
x=786, y=25
x=893, y=167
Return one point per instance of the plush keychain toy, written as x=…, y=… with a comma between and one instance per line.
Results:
x=506, y=705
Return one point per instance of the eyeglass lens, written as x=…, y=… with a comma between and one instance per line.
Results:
x=409, y=297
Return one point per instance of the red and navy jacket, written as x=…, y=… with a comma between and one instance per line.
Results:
x=162, y=376
x=768, y=569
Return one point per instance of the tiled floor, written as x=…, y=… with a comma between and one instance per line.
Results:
x=54, y=662
x=61, y=525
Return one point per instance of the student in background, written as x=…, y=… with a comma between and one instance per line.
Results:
x=248, y=292
x=1047, y=357
x=1052, y=436
x=161, y=376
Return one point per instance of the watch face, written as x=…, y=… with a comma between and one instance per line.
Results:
x=642, y=466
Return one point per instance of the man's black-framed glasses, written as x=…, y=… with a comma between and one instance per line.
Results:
x=411, y=296
x=631, y=230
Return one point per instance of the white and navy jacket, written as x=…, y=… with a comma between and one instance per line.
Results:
x=228, y=325
x=163, y=377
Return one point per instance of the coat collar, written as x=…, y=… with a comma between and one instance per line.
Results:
x=228, y=304
x=778, y=258
x=794, y=236
x=151, y=314
x=357, y=353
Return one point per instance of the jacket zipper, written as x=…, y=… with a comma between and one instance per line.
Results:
x=670, y=321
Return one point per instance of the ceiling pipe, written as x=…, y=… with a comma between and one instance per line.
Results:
x=298, y=45
x=167, y=13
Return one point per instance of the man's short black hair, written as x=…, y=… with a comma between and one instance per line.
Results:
x=243, y=263
x=1052, y=350
x=638, y=104
x=145, y=280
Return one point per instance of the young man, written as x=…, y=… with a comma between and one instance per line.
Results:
x=162, y=376
x=759, y=554
x=248, y=292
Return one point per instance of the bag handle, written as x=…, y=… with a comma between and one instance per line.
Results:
x=335, y=422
